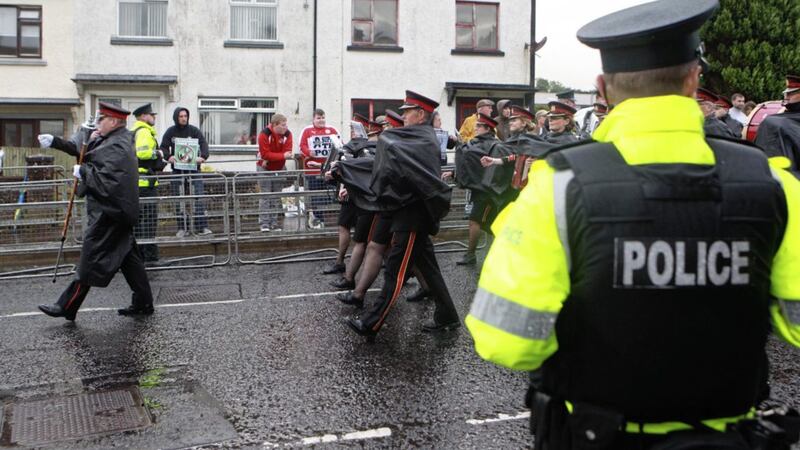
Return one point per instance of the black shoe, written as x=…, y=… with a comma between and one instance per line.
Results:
x=359, y=327
x=136, y=310
x=343, y=283
x=334, y=268
x=469, y=259
x=348, y=298
x=435, y=327
x=56, y=311
x=418, y=295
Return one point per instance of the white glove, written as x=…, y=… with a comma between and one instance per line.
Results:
x=76, y=171
x=45, y=140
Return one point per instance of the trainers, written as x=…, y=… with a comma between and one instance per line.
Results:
x=314, y=223
x=265, y=229
x=180, y=234
x=205, y=232
x=275, y=228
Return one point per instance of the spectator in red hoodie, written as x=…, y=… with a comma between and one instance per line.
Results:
x=316, y=143
x=274, y=148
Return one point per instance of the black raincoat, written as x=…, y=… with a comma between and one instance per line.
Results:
x=779, y=135
x=715, y=127
x=110, y=184
x=470, y=174
x=404, y=175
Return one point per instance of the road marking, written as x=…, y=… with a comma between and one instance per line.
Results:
x=500, y=418
x=326, y=438
x=190, y=304
x=318, y=294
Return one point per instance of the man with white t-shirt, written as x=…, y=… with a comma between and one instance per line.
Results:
x=316, y=142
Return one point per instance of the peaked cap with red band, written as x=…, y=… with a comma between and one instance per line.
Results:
x=486, y=120
x=704, y=95
x=561, y=109
x=109, y=110
x=723, y=102
x=361, y=119
x=520, y=112
x=374, y=128
x=414, y=100
x=394, y=119
x=792, y=84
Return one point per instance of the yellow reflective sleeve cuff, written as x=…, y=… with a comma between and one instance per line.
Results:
x=786, y=320
x=145, y=153
x=780, y=162
x=508, y=350
x=785, y=281
x=720, y=425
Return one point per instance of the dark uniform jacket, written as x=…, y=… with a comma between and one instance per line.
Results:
x=566, y=137
x=109, y=182
x=715, y=127
x=779, y=135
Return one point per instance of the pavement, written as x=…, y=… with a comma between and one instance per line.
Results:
x=258, y=356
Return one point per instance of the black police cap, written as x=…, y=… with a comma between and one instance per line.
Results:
x=144, y=109
x=569, y=95
x=660, y=34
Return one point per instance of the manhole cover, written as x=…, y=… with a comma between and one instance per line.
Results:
x=202, y=293
x=76, y=416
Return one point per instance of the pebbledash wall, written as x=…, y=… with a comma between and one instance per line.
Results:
x=199, y=62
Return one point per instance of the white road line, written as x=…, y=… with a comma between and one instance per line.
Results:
x=317, y=294
x=190, y=304
x=354, y=436
x=500, y=418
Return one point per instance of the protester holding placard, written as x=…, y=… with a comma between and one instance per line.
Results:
x=316, y=143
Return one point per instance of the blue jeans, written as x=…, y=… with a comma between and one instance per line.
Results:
x=181, y=188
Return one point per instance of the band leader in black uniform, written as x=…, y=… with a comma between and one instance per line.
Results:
x=109, y=181
x=407, y=174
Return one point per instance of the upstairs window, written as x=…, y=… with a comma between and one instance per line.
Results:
x=254, y=20
x=375, y=22
x=20, y=31
x=143, y=18
x=476, y=26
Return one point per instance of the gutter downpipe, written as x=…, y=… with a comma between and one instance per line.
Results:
x=532, y=56
x=314, y=58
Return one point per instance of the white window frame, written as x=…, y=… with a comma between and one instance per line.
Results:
x=253, y=3
x=119, y=11
x=202, y=106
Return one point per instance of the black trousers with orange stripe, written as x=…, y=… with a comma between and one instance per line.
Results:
x=410, y=249
x=134, y=272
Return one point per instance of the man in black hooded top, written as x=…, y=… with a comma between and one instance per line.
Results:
x=182, y=129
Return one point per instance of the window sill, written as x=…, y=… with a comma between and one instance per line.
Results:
x=375, y=48
x=469, y=52
x=234, y=43
x=22, y=62
x=127, y=40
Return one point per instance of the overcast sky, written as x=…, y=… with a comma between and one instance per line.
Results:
x=563, y=58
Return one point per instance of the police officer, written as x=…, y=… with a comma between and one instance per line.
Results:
x=641, y=271
x=151, y=161
x=407, y=169
x=108, y=180
x=779, y=134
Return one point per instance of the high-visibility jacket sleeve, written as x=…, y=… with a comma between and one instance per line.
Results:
x=145, y=145
x=524, y=281
x=785, y=276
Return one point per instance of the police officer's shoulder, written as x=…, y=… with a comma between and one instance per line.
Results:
x=556, y=157
x=731, y=144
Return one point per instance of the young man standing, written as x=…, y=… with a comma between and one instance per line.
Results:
x=274, y=148
x=316, y=142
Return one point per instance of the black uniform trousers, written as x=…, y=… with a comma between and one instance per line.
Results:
x=410, y=248
x=132, y=269
x=147, y=224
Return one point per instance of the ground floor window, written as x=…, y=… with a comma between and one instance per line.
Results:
x=234, y=121
x=372, y=108
x=23, y=132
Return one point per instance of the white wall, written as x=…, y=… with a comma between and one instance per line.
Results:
x=51, y=80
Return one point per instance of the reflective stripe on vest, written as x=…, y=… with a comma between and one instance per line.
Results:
x=512, y=317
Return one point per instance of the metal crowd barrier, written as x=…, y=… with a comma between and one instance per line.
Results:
x=237, y=209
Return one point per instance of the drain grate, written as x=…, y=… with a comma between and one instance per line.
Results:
x=57, y=419
x=199, y=293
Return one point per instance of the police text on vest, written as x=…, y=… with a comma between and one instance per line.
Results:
x=675, y=263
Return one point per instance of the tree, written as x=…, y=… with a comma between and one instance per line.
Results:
x=543, y=85
x=751, y=46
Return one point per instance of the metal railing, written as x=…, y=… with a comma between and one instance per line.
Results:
x=180, y=211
